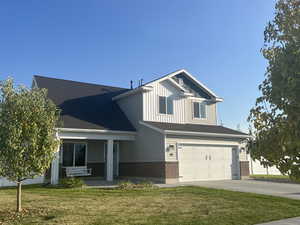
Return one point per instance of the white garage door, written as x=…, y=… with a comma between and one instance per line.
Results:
x=207, y=163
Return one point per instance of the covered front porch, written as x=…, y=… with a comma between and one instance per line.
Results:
x=93, y=154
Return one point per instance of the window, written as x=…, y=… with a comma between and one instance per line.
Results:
x=169, y=105
x=200, y=110
x=74, y=154
x=162, y=105
x=165, y=105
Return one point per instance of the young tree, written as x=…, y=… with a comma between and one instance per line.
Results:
x=27, y=133
x=276, y=114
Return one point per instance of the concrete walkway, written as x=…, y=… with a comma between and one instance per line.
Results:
x=291, y=221
x=287, y=190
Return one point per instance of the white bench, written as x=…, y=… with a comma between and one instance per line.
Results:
x=78, y=171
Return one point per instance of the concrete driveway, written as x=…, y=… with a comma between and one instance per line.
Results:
x=286, y=190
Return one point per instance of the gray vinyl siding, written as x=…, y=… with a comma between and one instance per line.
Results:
x=149, y=144
x=148, y=147
x=132, y=106
x=95, y=151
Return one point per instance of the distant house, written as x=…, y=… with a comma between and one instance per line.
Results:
x=165, y=130
x=254, y=166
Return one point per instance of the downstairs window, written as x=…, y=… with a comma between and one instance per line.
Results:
x=74, y=154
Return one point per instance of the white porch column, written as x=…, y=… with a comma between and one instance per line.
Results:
x=110, y=160
x=55, y=168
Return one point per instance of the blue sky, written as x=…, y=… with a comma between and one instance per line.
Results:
x=113, y=42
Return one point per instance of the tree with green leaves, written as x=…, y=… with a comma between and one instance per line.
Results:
x=276, y=114
x=27, y=133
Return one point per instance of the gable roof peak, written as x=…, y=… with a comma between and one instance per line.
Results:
x=191, y=77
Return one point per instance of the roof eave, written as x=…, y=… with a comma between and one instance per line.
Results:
x=219, y=99
x=210, y=92
x=96, y=131
x=133, y=92
x=206, y=134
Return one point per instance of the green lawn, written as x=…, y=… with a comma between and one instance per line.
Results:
x=273, y=178
x=181, y=205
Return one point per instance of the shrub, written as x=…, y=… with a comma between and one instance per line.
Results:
x=145, y=184
x=72, y=182
x=128, y=185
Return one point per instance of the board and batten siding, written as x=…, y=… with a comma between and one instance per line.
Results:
x=151, y=103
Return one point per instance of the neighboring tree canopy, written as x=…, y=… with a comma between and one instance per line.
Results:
x=276, y=115
x=27, y=132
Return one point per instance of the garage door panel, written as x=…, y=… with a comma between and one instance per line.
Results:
x=191, y=158
x=198, y=162
x=220, y=163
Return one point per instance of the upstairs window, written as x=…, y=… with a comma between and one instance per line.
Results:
x=165, y=105
x=74, y=154
x=200, y=111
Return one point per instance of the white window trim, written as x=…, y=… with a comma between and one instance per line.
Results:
x=193, y=111
x=75, y=142
x=165, y=114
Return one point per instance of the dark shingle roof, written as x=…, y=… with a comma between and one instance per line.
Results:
x=86, y=106
x=195, y=128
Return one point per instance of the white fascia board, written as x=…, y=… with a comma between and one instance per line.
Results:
x=91, y=134
x=187, y=94
x=167, y=76
x=175, y=132
x=176, y=85
x=208, y=144
x=204, y=99
x=199, y=98
x=218, y=99
x=34, y=83
x=134, y=91
x=200, y=84
x=152, y=127
x=79, y=130
x=95, y=136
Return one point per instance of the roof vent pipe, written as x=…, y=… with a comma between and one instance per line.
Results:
x=141, y=82
x=131, y=84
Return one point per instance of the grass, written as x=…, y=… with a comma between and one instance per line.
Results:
x=274, y=178
x=181, y=205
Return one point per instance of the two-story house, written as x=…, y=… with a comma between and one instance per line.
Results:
x=164, y=130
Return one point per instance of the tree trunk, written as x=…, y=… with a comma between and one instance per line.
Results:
x=19, y=196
